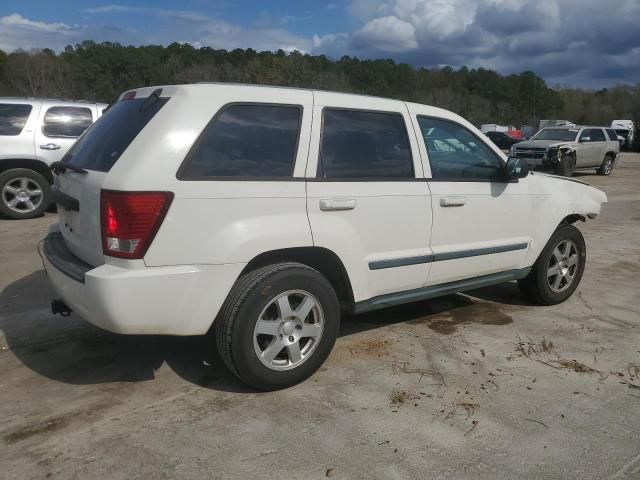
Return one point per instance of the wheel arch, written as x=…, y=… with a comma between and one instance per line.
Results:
x=37, y=166
x=572, y=218
x=322, y=259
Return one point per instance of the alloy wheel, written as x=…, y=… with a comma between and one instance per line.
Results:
x=563, y=266
x=288, y=330
x=22, y=195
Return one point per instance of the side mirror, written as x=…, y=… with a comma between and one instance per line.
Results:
x=516, y=168
x=584, y=139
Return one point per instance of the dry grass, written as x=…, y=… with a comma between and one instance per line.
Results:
x=528, y=347
x=399, y=396
x=404, y=367
x=373, y=347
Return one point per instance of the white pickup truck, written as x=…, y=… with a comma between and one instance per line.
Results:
x=262, y=213
x=34, y=133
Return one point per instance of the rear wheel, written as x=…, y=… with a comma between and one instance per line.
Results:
x=607, y=166
x=566, y=166
x=558, y=271
x=278, y=325
x=23, y=193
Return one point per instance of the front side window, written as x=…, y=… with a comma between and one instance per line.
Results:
x=363, y=144
x=247, y=140
x=613, y=136
x=66, y=122
x=457, y=154
x=13, y=118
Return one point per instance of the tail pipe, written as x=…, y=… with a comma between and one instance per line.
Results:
x=59, y=307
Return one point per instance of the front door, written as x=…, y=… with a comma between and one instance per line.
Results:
x=367, y=200
x=481, y=221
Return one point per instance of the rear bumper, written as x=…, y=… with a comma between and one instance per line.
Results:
x=171, y=300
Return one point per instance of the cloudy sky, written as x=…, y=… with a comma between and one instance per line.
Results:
x=588, y=43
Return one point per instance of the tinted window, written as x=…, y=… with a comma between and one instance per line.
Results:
x=67, y=122
x=613, y=136
x=103, y=143
x=13, y=118
x=247, y=141
x=562, y=134
x=593, y=134
x=359, y=144
x=597, y=135
x=457, y=154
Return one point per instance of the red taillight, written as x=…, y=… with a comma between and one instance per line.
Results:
x=130, y=220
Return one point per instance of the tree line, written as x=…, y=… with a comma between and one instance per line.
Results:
x=101, y=71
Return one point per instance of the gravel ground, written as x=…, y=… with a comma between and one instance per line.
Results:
x=477, y=386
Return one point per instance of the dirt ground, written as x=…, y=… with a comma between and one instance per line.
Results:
x=477, y=386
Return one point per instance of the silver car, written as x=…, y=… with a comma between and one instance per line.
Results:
x=34, y=133
x=566, y=149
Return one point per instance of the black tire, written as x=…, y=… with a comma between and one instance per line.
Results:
x=566, y=166
x=535, y=286
x=253, y=292
x=10, y=179
x=607, y=166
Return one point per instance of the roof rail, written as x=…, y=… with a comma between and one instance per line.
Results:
x=70, y=100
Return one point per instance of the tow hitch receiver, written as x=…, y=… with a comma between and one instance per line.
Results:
x=59, y=307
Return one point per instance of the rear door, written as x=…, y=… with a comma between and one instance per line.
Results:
x=58, y=128
x=96, y=152
x=481, y=221
x=367, y=200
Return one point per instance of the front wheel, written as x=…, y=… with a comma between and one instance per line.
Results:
x=278, y=325
x=557, y=272
x=566, y=166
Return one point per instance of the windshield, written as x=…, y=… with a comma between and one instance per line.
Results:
x=103, y=142
x=561, y=134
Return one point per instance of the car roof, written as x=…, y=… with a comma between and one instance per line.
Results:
x=58, y=101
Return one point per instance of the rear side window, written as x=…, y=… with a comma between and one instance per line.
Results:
x=597, y=135
x=66, y=122
x=246, y=140
x=13, y=118
x=613, y=136
x=104, y=141
x=362, y=144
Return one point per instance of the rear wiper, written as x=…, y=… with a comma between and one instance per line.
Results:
x=61, y=167
x=151, y=99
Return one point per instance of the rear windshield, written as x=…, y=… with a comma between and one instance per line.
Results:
x=104, y=141
x=562, y=134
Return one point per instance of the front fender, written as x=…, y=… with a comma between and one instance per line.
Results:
x=555, y=199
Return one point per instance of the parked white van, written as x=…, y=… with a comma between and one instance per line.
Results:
x=261, y=213
x=34, y=134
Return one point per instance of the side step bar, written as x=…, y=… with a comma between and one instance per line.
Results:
x=399, y=298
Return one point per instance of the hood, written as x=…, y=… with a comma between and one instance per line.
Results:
x=540, y=143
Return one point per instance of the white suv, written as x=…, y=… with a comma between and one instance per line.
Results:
x=35, y=133
x=261, y=213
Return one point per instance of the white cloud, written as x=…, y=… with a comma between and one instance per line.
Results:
x=19, y=32
x=387, y=34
